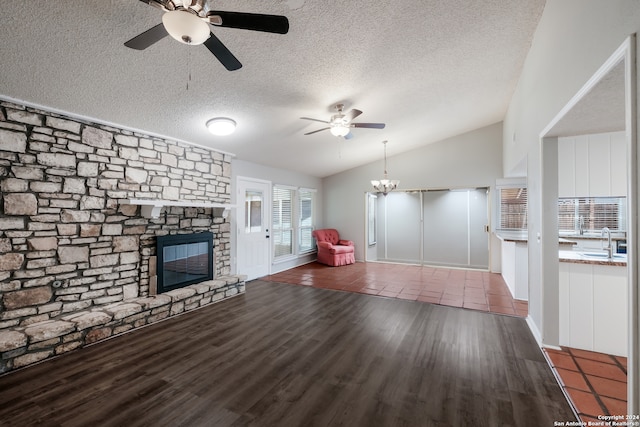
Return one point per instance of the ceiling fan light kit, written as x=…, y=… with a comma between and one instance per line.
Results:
x=339, y=130
x=340, y=124
x=188, y=21
x=186, y=27
x=221, y=126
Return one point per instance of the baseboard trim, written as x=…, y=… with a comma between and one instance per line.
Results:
x=534, y=330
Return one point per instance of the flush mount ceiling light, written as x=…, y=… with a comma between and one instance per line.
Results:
x=186, y=27
x=221, y=126
x=385, y=185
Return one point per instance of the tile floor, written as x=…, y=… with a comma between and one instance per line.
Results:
x=596, y=383
x=473, y=289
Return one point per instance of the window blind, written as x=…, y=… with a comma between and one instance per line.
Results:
x=513, y=208
x=305, y=220
x=282, y=230
x=592, y=214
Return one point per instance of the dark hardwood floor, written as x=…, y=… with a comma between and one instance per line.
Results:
x=284, y=355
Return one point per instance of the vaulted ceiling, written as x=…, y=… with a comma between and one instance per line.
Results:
x=429, y=69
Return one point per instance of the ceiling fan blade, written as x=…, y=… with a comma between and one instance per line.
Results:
x=316, y=131
x=351, y=115
x=253, y=21
x=223, y=54
x=368, y=125
x=348, y=136
x=149, y=37
x=154, y=3
x=315, y=120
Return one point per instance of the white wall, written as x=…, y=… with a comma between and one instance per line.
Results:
x=275, y=176
x=573, y=39
x=473, y=159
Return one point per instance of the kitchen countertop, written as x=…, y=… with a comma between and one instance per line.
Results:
x=521, y=237
x=591, y=236
x=512, y=236
x=580, y=258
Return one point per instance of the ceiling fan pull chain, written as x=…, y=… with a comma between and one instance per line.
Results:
x=188, y=68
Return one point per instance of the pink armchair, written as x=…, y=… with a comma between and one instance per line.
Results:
x=332, y=250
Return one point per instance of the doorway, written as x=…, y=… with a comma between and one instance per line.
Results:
x=253, y=223
x=606, y=103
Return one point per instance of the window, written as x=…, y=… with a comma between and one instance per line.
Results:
x=282, y=230
x=592, y=214
x=293, y=216
x=305, y=222
x=513, y=208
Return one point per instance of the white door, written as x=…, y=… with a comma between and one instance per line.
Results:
x=253, y=222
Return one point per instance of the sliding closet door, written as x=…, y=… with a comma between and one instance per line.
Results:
x=454, y=228
x=445, y=228
x=478, y=235
x=402, y=220
x=436, y=227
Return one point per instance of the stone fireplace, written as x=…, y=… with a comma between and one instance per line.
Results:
x=71, y=241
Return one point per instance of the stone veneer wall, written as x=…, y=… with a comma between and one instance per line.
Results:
x=67, y=243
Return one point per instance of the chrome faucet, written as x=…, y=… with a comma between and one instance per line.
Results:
x=609, y=247
x=581, y=225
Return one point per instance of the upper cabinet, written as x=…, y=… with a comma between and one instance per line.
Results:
x=618, y=145
x=592, y=165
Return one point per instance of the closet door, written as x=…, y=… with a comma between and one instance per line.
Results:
x=402, y=214
x=478, y=236
x=446, y=228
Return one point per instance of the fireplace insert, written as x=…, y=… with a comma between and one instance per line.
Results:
x=184, y=259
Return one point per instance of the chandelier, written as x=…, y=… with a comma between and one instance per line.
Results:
x=385, y=185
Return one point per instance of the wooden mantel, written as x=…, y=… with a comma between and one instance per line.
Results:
x=151, y=208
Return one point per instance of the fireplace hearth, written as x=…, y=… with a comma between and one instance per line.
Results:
x=184, y=259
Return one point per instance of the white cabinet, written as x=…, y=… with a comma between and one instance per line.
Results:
x=581, y=158
x=522, y=271
x=618, y=164
x=592, y=165
x=509, y=265
x=593, y=307
x=515, y=268
x=599, y=166
x=566, y=167
x=610, y=309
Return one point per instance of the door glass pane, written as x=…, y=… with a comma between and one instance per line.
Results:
x=253, y=211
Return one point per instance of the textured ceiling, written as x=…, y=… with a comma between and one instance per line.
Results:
x=600, y=110
x=429, y=69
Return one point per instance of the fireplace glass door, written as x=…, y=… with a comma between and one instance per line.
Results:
x=185, y=263
x=184, y=259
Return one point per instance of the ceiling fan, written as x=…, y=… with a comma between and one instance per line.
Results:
x=188, y=22
x=341, y=123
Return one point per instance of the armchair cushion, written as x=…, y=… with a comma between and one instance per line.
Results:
x=332, y=250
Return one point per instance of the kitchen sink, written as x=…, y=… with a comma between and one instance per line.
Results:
x=604, y=256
